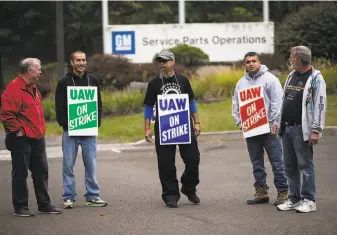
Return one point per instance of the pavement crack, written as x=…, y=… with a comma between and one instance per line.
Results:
x=197, y=219
x=217, y=147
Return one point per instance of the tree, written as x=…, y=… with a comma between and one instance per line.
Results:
x=280, y=9
x=25, y=30
x=83, y=26
x=154, y=12
x=313, y=26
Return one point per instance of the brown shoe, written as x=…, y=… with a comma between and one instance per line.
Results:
x=281, y=198
x=261, y=195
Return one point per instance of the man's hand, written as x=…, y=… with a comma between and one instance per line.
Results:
x=240, y=126
x=196, y=127
x=274, y=129
x=19, y=133
x=148, y=135
x=313, y=139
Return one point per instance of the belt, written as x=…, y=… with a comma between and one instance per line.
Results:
x=291, y=124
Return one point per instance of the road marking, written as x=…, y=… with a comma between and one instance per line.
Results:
x=116, y=150
x=52, y=152
x=56, y=151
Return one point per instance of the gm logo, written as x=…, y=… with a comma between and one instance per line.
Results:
x=123, y=42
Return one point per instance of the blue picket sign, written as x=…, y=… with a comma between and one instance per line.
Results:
x=174, y=119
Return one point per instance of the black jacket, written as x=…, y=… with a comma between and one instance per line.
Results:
x=61, y=102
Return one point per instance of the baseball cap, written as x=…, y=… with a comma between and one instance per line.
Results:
x=166, y=55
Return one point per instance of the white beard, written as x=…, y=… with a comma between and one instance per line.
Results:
x=163, y=73
x=294, y=66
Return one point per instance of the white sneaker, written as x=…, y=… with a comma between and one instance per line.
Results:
x=96, y=202
x=288, y=205
x=307, y=206
x=68, y=204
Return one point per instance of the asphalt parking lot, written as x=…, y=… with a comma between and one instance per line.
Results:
x=129, y=181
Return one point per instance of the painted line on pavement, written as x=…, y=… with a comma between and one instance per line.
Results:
x=56, y=151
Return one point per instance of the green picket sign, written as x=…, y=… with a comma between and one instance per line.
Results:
x=82, y=111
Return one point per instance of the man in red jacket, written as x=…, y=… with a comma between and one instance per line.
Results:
x=23, y=119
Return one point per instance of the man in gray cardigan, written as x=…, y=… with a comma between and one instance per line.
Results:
x=303, y=117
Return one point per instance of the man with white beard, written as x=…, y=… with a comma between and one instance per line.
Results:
x=302, y=123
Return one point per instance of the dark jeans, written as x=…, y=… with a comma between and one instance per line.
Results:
x=167, y=169
x=271, y=144
x=298, y=160
x=29, y=154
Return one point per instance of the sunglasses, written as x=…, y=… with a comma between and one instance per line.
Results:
x=160, y=60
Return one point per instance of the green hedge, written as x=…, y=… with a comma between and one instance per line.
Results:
x=207, y=89
x=188, y=55
x=215, y=87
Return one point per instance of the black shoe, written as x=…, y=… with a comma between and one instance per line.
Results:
x=49, y=210
x=172, y=204
x=24, y=212
x=255, y=201
x=192, y=197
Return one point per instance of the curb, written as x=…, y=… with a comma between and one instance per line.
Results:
x=328, y=130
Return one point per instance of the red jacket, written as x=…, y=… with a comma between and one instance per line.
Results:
x=21, y=109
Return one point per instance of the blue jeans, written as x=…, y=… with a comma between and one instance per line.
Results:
x=272, y=145
x=70, y=148
x=298, y=159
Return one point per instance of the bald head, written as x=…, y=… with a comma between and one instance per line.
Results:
x=29, y=63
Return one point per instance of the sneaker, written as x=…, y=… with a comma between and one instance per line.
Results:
x=281, y=198
x=24, y=212
x=50, y=210
x=288, y=205
x=192, y=197
x=306, y=206
x=68, y=204
x=97, y=202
